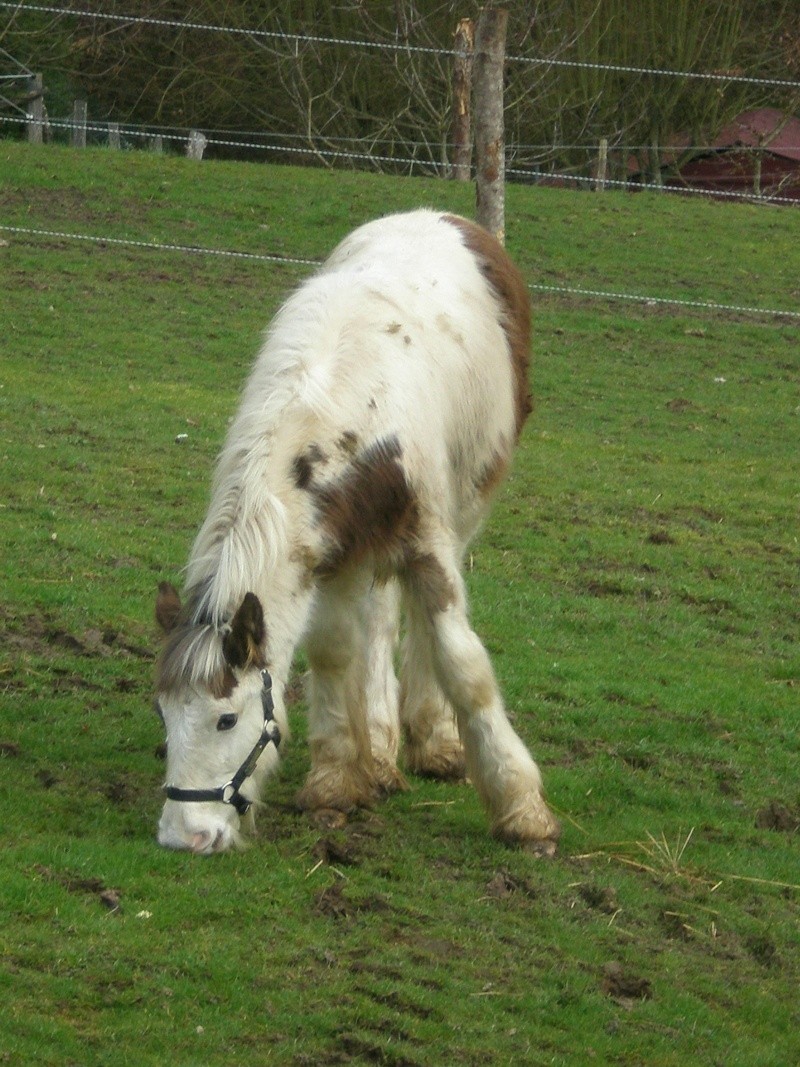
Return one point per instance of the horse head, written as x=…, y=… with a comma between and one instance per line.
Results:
x=214, y=696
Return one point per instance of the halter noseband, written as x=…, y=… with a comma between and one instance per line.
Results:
x=229, y=793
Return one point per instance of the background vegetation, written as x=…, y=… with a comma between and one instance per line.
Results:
x=636, y=586
x=395, y=99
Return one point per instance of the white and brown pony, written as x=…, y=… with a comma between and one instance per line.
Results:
x=379, y=418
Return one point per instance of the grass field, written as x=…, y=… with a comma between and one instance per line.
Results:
x=636, y=586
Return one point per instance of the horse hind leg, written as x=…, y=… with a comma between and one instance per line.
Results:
x=432, y=747
x=505, y=776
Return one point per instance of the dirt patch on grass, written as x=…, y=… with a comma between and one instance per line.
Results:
x=778, y=816
x=109, y=898
x=599, y=898
x=69, y=204
x=622, y=985
x=334, y=903
x=661, y=537
x=336, y=851
x=763, y=950
x=679, y=405
x=504, y=885
x=41, y=634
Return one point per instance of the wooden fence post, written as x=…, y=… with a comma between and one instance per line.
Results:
x=490, y=47
x=35, y=110
x=602, y=166
x=78, y=134
x=462, y=92
x=197, y=145
x=114, y=139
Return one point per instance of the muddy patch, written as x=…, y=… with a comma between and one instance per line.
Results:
x=763, y=950
x=504, y=885
x=599, y=898
x=778, y=816
x=623, y=986
x=40, y=635
x=332, y=903
x=335, y=852
x=109, y=898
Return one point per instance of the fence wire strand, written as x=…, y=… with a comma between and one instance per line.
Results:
x=388, y=46
x=537, y=175
x=638, y=298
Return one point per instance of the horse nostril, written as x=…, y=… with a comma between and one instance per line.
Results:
x=199, y=842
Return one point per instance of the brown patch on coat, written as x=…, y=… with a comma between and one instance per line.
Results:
x=306, y=560
x=492, y=474
x=303, y=466
x=509, y=286
x=370, y=509
x=431, y=583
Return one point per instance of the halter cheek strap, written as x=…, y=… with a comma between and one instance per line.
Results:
x=229, y=793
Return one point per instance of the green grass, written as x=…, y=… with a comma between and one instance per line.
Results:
x=636, y=586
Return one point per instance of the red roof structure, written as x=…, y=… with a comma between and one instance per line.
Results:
x=757, y=154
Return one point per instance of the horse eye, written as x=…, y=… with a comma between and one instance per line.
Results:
x=227, y=722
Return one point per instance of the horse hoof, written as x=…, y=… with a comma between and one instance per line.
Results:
x=389, y=779
x=445, y=764
x=545, y=849
x=327, y=819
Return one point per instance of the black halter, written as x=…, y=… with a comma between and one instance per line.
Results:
x=229, y=793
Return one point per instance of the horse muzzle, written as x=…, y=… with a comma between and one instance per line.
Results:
x=185, y=830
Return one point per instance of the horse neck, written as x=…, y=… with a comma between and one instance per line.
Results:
x=244, y=546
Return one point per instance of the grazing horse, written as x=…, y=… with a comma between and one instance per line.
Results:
x=379, y=418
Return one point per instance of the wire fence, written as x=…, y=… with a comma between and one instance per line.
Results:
x=416, y=159
x=542, y=163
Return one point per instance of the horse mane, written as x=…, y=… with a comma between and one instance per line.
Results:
x=191, y=656
x=244, y=535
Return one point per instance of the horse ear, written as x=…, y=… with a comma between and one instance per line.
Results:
x=242, y=645
x=168, y=606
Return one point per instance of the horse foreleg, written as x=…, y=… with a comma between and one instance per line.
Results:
x=343, y=772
